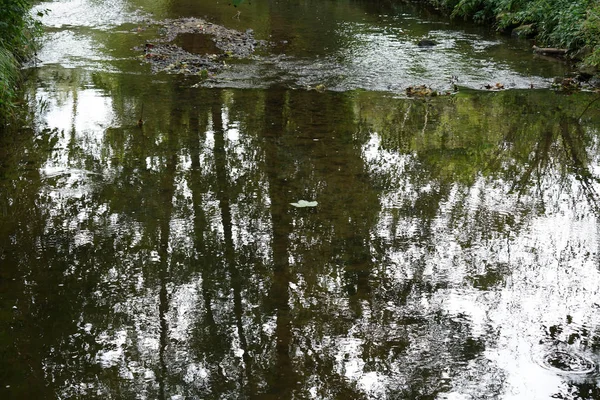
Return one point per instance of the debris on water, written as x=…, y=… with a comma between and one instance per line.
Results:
x=166, y=54
x=173, y=59
x=497, y=86
x=566, y=84
x=304, y=203
x=426, y=91
x=421, y=91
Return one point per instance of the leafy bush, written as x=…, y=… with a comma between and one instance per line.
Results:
x=591, y=34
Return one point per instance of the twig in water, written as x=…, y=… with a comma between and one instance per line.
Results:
x=141, y=120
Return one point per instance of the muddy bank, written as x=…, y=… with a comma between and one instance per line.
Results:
x=194, y=46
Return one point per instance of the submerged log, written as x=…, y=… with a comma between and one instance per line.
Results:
x=549, y=51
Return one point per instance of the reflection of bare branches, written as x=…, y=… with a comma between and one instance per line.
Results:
x=574, y=156
x=598, y=240
x=224, y=205
x=538, y=163
x=426, y=119
x=213, y=347
x=588, y=106
x=575, y=149
x=200, y=220
x=406, y=114
x=284, y=378
x=167, y=191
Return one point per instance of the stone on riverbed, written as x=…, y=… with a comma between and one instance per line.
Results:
x=426, y=43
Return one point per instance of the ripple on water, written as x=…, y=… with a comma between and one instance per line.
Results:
x=569, y=363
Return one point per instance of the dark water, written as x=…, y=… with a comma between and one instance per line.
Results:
x=453, y=252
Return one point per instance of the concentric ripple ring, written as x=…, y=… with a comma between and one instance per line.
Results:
x=570, y=363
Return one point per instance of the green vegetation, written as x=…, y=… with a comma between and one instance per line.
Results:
x=570, y=24
x=17, y=34
x=8, y=77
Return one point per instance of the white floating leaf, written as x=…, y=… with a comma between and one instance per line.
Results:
x=304, y=203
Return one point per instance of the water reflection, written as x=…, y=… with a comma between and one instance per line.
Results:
x=449, y=257
x=454, y=251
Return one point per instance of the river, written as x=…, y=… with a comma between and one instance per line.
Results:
x=296, y=226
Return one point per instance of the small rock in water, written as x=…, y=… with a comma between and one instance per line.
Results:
x=426, y=43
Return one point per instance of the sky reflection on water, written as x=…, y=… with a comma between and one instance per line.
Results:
x=453, y=249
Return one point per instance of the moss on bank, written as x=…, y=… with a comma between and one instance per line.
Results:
x=570, y=24
x=18, y=31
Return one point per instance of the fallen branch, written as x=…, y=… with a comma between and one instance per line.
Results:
x=549, y=51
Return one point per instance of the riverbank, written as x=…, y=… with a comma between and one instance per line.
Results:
x=18, y=31
x=573, y=27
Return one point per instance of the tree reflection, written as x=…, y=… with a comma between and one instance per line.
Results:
x=167, y=261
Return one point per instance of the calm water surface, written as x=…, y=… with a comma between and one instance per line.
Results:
x=453, y=253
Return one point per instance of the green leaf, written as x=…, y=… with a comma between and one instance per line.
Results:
x=304, y=203
x=236, y=2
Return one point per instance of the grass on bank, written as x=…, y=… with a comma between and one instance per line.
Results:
x=9, y=79
x=18, y=34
